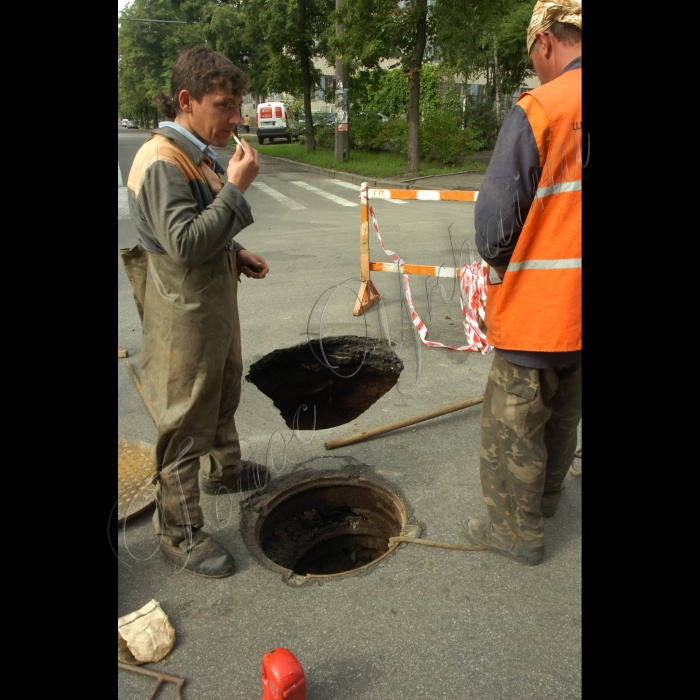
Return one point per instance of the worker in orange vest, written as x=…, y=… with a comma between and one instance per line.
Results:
x=528, y=229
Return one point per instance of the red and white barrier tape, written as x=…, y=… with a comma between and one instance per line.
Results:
x=472, y=299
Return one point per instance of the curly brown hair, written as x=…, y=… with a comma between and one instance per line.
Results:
x=201, y=70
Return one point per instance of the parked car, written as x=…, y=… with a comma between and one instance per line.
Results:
x=374, y=115
x=330, y=119
x=125, y=122
x=296, y=128
x=299, y=126
x=273, y=122
x=132, y=124
x=318, y=119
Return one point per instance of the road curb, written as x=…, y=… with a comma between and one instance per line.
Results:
x=347, y=177
x=338, y=175
x=356, y=179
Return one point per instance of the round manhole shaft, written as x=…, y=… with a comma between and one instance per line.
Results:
x=324, y=527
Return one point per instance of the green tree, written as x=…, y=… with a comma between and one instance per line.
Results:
x=469, y=36
x=228, y=27
x=147, y=52
x=294, y=32
x=379, y=90
x=386, y=29
x=385, y=91
x=485, y=39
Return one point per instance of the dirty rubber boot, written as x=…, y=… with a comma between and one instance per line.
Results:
x=481, y=532
x=548, y=505
x=207, y=558
x=253, y=477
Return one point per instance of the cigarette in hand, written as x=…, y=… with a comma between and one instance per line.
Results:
x=235, y=138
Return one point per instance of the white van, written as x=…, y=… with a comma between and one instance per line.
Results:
x=273, y=122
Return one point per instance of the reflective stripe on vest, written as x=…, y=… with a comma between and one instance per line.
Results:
x=559, y=188
x=564, y=264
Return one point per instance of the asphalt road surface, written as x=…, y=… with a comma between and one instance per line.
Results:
x=423, y=623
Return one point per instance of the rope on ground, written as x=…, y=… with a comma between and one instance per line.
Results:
x=577, y=455
x=431, y=543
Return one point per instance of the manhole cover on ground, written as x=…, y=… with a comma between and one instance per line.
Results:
x=136, y=467
x=328, y=524
x=341, y=378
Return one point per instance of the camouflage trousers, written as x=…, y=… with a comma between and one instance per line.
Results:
x=529, y=427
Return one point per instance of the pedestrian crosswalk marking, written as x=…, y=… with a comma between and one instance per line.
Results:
x=283, y=199
x=327, y=195
x=123, y=203
x=349, y=185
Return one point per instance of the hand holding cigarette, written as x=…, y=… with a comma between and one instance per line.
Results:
x=244, y=166
x=237, y=140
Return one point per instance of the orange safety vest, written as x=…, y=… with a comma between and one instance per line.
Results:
x=537, y=307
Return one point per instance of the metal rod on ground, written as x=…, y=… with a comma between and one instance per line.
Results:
x=432, y=543
x=159, y=676
x=138, y=386
x=340, y=442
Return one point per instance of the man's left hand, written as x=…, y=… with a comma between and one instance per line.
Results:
x=252, y=265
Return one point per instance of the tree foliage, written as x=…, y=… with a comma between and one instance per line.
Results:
x=276, y=41
x=384, y=91
x=228, y=28
x=294, y=32
x=148, y=50
x=457, y=30
x=386, y=29
x=467, y=35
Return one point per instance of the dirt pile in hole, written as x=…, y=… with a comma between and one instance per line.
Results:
x=322, y=541
x=300, y=375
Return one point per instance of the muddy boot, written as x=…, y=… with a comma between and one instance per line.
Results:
x=481, y=532
x=201, y=555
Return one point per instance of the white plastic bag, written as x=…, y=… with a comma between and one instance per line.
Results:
x=144, y=636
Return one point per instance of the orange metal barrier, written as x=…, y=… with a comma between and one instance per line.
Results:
x=368, y=293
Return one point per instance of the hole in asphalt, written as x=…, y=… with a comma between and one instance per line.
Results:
x=341, y=377
x=329, y=526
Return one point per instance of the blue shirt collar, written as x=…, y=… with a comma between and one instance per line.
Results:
x=191, y=137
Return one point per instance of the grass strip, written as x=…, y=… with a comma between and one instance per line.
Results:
x=371, y=164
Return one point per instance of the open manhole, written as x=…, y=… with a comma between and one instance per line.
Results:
x=341, y=377
x=319, y=525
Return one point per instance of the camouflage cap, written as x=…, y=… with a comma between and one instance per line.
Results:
x=545, y=14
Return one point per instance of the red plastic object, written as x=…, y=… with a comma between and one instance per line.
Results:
x=282, y=676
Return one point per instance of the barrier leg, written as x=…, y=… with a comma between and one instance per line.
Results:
x=368, y=293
